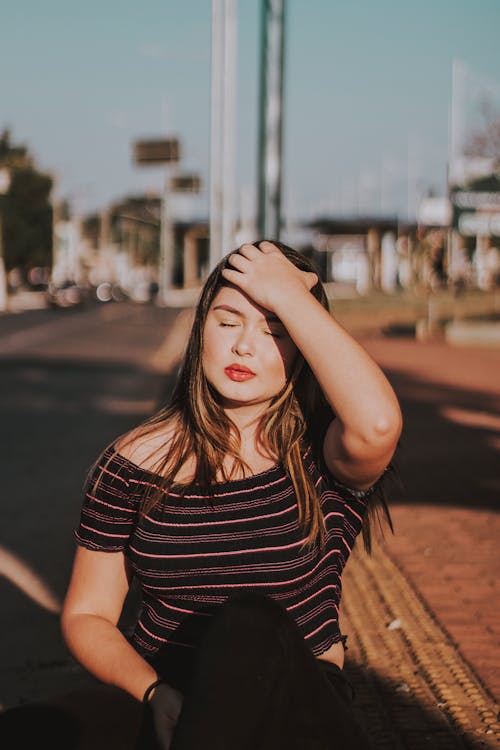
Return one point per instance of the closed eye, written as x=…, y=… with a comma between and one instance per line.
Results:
x=273, y=334
x=228, y=325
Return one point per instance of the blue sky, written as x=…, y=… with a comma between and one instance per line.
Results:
x=367, y=94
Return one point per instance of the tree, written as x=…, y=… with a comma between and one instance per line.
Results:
x=484, y=140
x=26, y=209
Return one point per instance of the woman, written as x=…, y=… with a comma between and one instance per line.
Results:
x=231, y=507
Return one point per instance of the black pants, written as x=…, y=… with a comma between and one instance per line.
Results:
x=257, y=685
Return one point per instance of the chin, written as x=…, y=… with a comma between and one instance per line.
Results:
x=239, y=395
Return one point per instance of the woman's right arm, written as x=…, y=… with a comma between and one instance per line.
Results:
x=91, y=610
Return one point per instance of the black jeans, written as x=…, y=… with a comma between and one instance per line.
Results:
x=256, y=685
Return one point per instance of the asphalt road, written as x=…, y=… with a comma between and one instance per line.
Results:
x=72, y=380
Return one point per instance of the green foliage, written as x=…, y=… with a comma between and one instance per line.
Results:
x=26, y=209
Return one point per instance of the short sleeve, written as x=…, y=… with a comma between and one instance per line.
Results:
x=109, y=511
x=339, y=487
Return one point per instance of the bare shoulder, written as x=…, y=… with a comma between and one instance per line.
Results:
x=145, y=448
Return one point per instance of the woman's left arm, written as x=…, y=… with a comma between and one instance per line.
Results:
x=361, y=441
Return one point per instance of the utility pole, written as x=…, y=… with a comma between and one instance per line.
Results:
x=167, y=249
x=270, y=118
x=222, y=130
x=163, y=151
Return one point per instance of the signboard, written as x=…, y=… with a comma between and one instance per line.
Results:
x=472, y=224
x=187, y=183
x=434, y=212
x=476, y=207
x=157, y=151
x=474, y=164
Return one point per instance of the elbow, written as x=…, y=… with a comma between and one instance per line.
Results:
x=377, y=438
x=387, y=428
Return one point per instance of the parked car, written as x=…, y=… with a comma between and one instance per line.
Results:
x=67, y=294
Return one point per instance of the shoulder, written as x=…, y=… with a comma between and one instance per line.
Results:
x=144, y=447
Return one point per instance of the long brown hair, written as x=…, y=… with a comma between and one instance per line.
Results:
x=298, y=415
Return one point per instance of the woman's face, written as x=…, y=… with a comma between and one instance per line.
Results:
x=247, y=354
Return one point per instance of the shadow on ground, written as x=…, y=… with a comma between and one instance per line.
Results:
x=104, y=718
x=448, y=451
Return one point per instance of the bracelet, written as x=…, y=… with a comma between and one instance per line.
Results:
x=149, y=690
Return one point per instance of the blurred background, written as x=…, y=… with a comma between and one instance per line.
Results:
x=141, y=142
x=380, y=123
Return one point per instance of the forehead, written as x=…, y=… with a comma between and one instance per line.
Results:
x=233, y=297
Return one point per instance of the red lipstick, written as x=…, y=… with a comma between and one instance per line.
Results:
x=239, y=373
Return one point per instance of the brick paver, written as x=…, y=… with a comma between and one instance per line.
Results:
x=448, y=530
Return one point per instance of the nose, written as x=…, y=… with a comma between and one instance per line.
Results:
x=243, y=344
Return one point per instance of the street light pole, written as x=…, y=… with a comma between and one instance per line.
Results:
x=222, y=130
x=166, y=266
x=270, y=118
x=165, y=151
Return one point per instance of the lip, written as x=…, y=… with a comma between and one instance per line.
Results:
x=239, y=372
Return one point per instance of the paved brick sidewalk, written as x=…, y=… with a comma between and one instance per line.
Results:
x=446, y=514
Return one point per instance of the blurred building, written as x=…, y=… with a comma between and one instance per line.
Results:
x=68, y=252
x=361, y=253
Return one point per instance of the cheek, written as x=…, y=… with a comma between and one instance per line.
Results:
x=209, y=355
x=284, y=359
x=211, y=345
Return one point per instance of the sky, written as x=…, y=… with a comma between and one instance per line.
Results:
x=367, y=93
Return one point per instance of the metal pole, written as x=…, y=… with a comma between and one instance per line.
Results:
x=222, y=130
x=166, y=269
x=270, y=118
x=229, y=129
x=216, y=102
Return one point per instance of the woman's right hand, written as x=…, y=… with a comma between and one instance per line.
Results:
x=165, y=705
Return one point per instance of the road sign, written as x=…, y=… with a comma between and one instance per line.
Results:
x=473, y=224
x=476, y=207
x=186, y=183
x=157, y=151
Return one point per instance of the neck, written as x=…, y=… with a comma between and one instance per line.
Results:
x=246, y=418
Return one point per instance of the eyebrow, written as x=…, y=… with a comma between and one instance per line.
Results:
x=228, y=308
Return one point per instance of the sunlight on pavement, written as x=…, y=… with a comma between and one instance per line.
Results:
x=470, y=418
x=494, y=442
x=112, y=405
x=21, y=575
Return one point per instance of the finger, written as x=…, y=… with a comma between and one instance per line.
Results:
x=268, y=247
x=249, y=251
x=239, y=261
x=234, y=277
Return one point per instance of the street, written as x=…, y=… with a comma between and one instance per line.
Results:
x=73, y=380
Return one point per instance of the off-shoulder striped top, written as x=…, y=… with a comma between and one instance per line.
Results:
x=196, y=548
